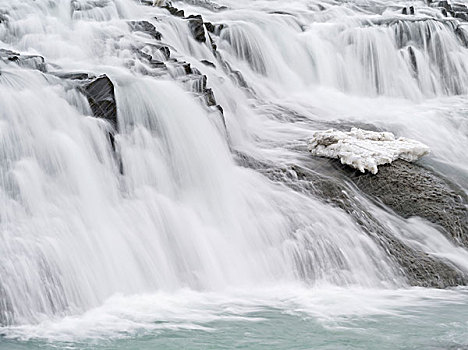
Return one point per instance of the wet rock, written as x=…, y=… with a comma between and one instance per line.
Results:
x=235, y=75
x=208, y=4
x=101, y=98
x=462, y=35
x=197, y=27
x=445, y=5
x=209, y=97
x=187, y=68
x=419, y=268
x=461, y=15
x=210, y=27
x=25, y=61
x=145, y=27
x=3, y=17
x=414, y=63
x=208, y=63
x=174, y=11
x=214, y=28
x=72, y=76
x=88, y=5
x=411, y=190
x=165, y=51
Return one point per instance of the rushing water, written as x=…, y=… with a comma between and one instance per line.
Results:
x=164, y=241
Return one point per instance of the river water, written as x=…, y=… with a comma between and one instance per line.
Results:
x=166, y=239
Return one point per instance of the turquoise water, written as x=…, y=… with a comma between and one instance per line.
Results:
x=306, y=319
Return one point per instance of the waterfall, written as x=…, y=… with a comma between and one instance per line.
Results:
x=193, y=185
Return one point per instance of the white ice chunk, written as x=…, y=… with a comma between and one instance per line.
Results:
x=365, y=150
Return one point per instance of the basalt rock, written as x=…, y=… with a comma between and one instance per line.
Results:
x=145, y=27
x=25, y=61
x=208, y=63
x=461, y=15
x=197, y=27
x=101, y=97
x=408, y=10
x=72, y=75
x=411, y=190
x=208, y=4
x=174, y=11
x=419, y=268
x=214, y=28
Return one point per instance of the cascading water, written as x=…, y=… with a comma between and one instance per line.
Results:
x=199, y=203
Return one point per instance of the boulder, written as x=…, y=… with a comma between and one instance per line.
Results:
x=208, y=63
x=174, y=11
x=417, y=267
x=145, y=27
x=101, y=98
x=411, y=190
x=26, y=61
x=197, y=27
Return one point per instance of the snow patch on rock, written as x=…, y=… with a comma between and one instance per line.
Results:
x=365, y=150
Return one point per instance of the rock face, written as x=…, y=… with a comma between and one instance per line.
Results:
x=26, y=61
x=197, y=28
x=457, y=10
x=411, y=190
x=101, y=98
x=145, y=27
x=419, y=268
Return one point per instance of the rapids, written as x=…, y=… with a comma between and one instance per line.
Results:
x=192, y=206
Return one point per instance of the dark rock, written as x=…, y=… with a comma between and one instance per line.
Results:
x=404, y=11
x=462, y=35
x=419, y=268
x=411, y=190
x=145, y=27
x=208, y=63
x=165, y=51
x=187, y=68
x=197, y=28
x=411, y=10
x=26, y=61
x=101, y=98
x=414, y=62
x=174, y=11
x=461, y=15
x=459, y=8
x=208, y=4
x=445, y=5
x=209, y=97
x=209, y=27
x=72, y=76
x=214, y=28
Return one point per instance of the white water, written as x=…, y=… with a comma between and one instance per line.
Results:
x=74, y=231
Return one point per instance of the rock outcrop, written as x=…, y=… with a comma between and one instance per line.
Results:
x=101, y=97
x=25, y=61
x=418, y=267
x=411, y=190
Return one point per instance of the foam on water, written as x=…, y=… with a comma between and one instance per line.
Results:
x=128, y=316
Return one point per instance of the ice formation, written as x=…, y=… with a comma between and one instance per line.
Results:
x=365, y=150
